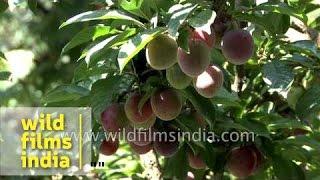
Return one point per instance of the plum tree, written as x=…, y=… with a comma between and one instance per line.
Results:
x=166, y=104
x=195, y=161
x=113, y=118
x=141, y=149
x=208, y=83
x=166, y=144
x=130, y=45
x=162, y=52
x=138, y=137
x=109, y=146
x=242, y=162
x=177, y=78
x=196, y=61
x=200, y=35
x=237, y=46
x=133, y=113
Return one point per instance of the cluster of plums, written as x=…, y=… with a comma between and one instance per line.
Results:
x=165, y=104
x=183, y=67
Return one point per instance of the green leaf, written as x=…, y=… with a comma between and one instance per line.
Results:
x=3, y=63
x=183, y=38
x=135, y=45
x=176, y=167
x=141, y=8
x=257, y=127
x=277, y=23
x=145, y=98
x=100, y=15
x=33, y=5
x=231, y=125
x=274, y=23
x=65, y=93
x=282, y=8
x=285, y=169
x=201, y=104
x=133, y=6
x=293, y=152
x=4, y=68
x=105, y=66
x=293, y=96
x=3, y=6
x=108, y=43
x=89, y=34
x=217, y=57
x=313, y=16
x=302, y=141
x=203, y=20
x=278, y=76
x=226, y=98
x=305, y=46
x=2, y=55
x=179, y=15
x=284, y=123
x=309, y=102
x=4, y=75
x=187, y=123
x=297, y=58
x=104, y=91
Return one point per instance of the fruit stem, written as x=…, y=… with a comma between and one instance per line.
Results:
x=138, y=79
x=240, y=76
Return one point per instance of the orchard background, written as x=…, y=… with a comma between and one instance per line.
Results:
x=258, y=70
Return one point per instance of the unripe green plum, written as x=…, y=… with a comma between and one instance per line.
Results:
x=237, y=46
x=162, y=52
x=166, y=104
x=113, y=118
x=132, y=111
x=209, y=82
x=196, y=61
x=109, y=147
x=177, y=78
x=242, y=162
x=195, y=161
